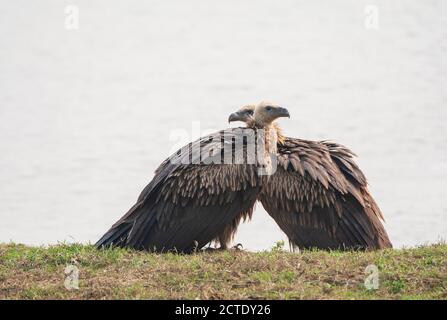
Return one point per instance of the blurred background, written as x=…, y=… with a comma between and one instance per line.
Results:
x=87, y=111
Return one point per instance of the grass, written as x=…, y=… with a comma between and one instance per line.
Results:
x=39, y=273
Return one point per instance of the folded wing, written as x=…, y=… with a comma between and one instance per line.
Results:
x=319, y=198
x=192, y=199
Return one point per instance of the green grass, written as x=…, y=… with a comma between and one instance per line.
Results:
x=39, y=273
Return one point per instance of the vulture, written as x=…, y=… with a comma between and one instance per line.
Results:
x=318, y=196
x=201, y=192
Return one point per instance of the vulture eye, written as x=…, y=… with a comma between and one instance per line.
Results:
x=250, y=112
x=268, y=108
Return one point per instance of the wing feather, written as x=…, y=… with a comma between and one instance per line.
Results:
x=186, y=206
x=327, y=204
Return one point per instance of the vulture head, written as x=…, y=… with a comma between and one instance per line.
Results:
x=244, y=114
x=259, y=115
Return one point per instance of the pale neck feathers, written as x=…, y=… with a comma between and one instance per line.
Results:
x=281, y=138
x=275, y=126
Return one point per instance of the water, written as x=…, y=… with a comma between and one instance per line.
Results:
x=86, y=115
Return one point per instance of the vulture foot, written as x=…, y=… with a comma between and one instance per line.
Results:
x=238, y=247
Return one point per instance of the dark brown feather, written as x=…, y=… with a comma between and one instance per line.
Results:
x=321, y=200
x=186, y=206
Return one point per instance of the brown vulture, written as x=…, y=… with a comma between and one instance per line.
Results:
x=318, y=196
x=196, y=194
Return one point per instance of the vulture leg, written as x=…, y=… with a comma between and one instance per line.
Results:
x=227, y=236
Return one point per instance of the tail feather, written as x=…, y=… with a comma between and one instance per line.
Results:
x=115, y=237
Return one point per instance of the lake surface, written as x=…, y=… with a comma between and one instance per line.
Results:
x=86, y=115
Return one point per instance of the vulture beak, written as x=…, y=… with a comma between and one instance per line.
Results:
x=283, y=112
x=234, y=117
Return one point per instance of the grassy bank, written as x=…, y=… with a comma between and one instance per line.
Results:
x=38, y=273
